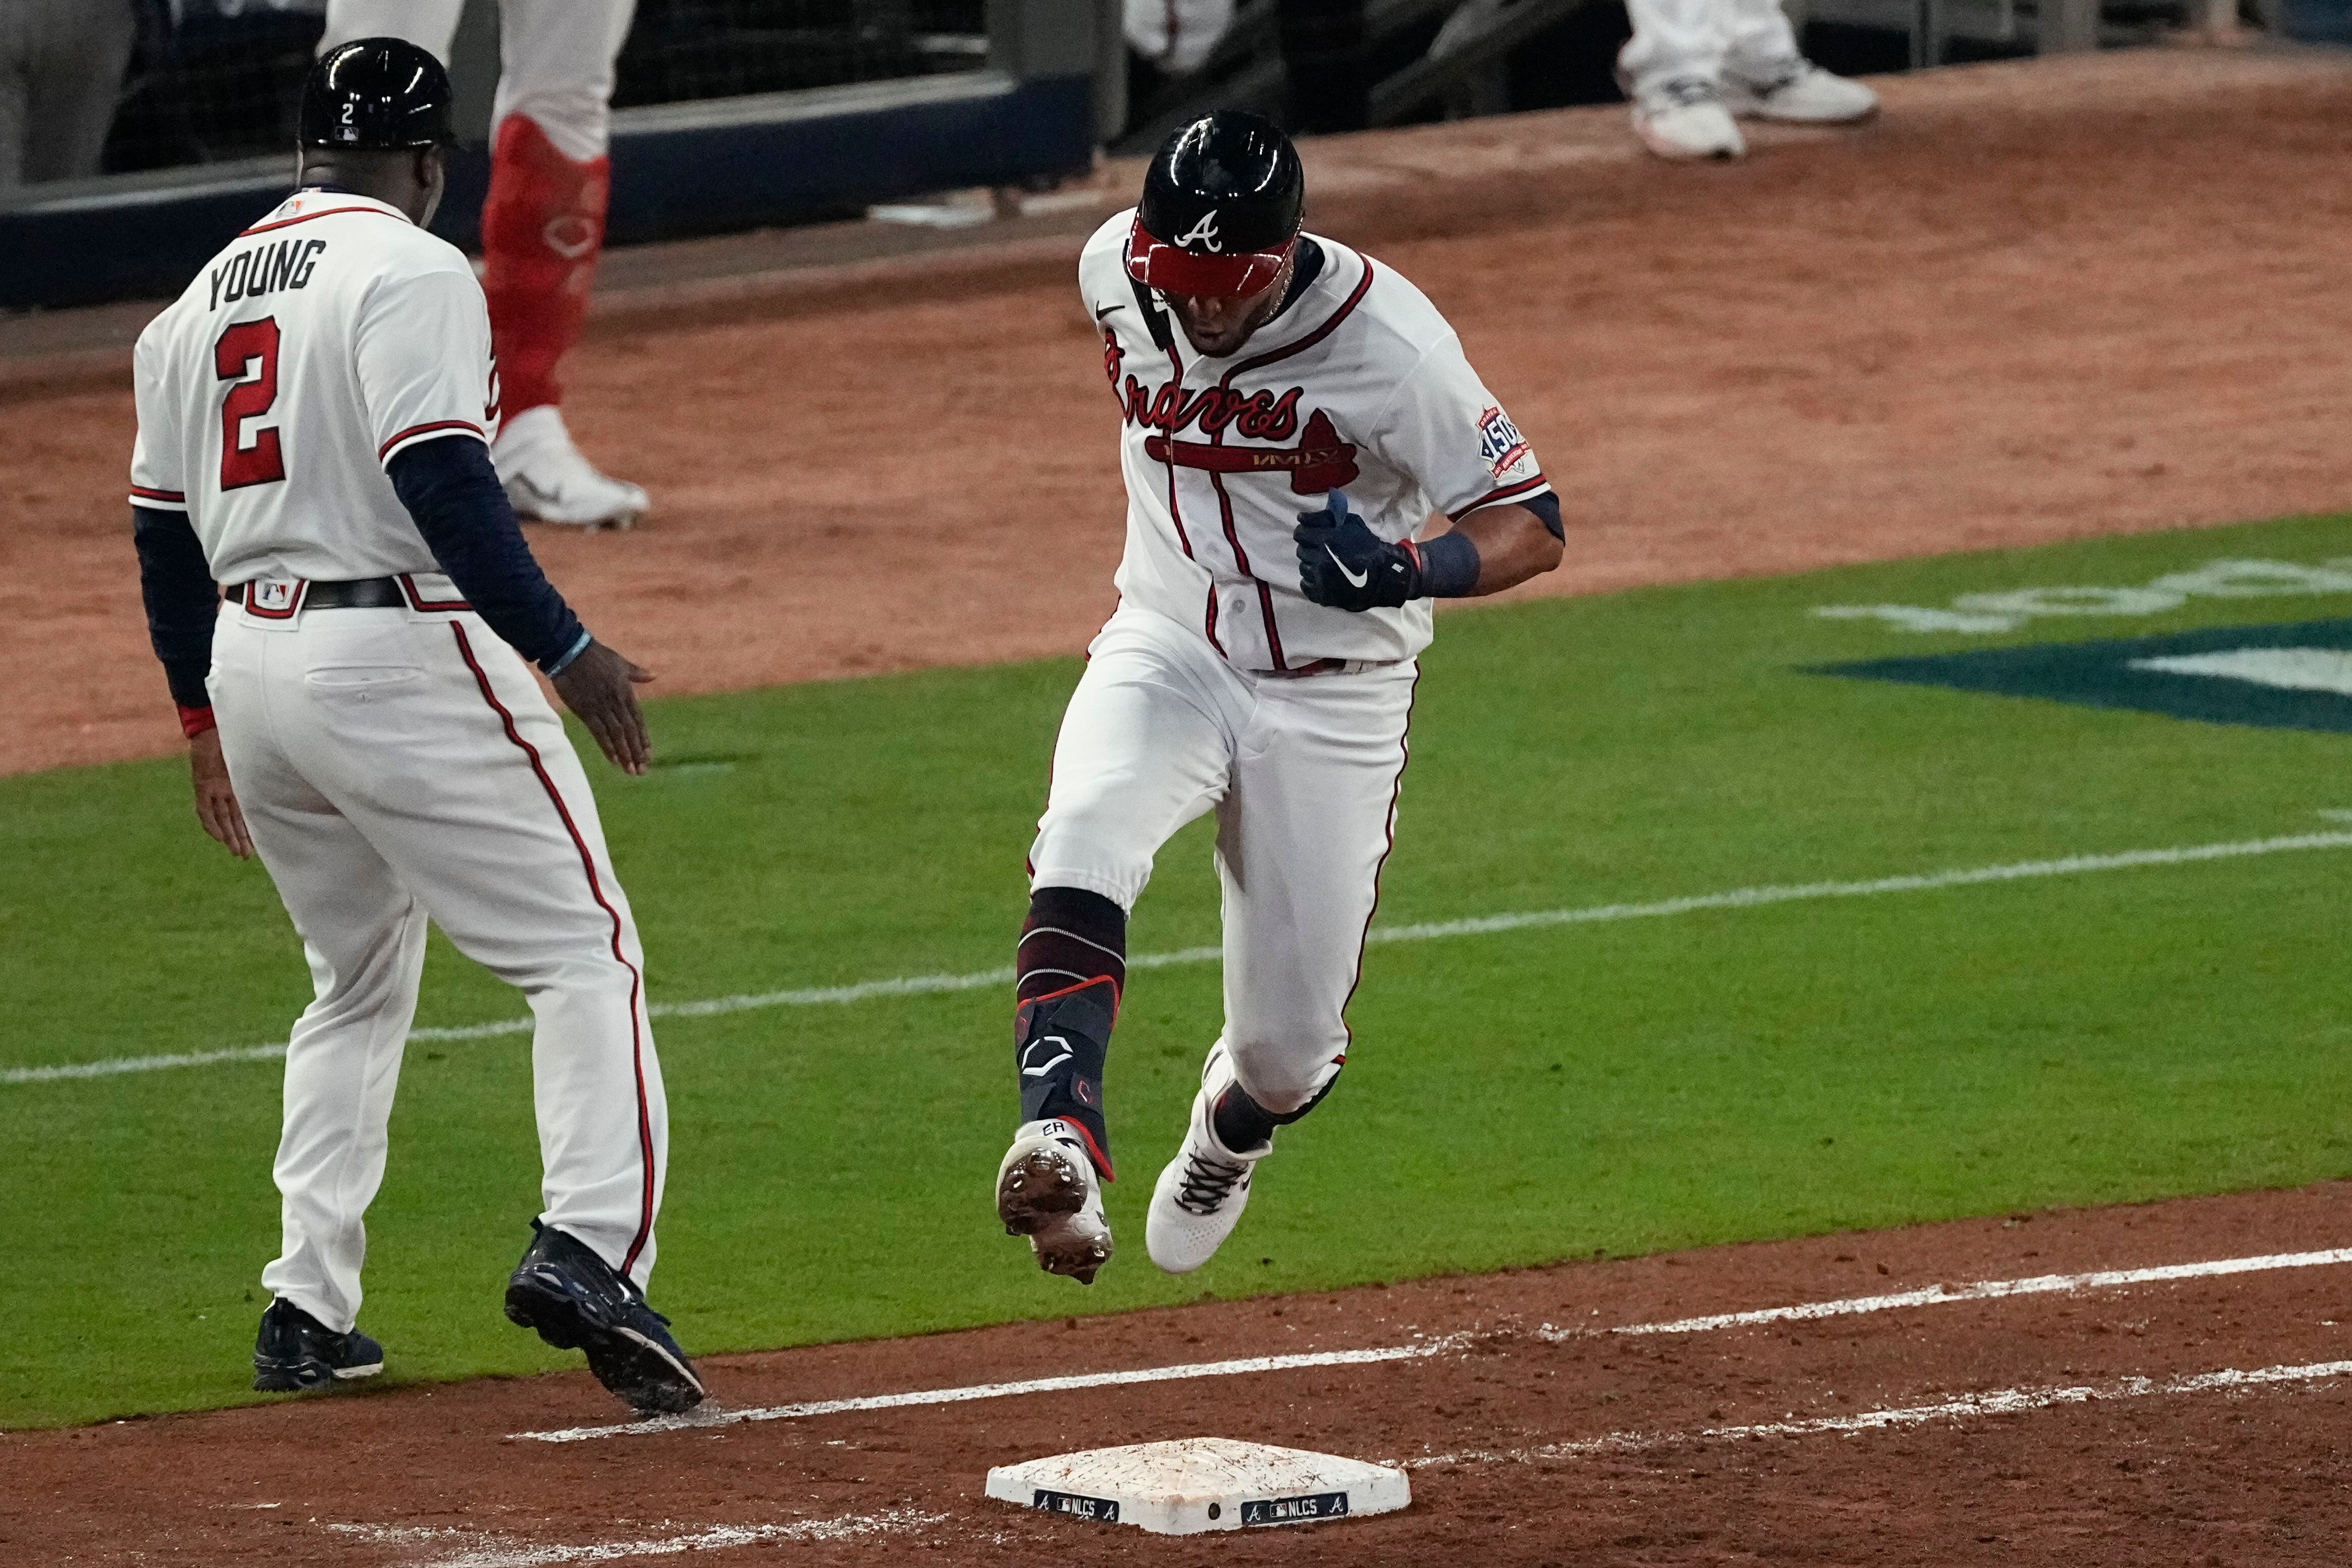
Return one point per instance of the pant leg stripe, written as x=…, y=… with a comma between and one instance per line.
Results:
x=1404, y=748
x=596, y=892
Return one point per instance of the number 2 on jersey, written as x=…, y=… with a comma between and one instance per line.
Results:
x=249, y=343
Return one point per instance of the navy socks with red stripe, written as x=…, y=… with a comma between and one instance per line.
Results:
x=1070, y=966
x=1243, y=1125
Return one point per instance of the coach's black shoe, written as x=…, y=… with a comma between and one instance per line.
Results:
x=296, y=1351
x=576, y=1302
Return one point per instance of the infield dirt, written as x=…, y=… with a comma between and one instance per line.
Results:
x=441, y=1476
x=2030, y=302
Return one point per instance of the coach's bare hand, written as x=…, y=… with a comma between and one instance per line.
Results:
x=217, y=806
x=597, y=686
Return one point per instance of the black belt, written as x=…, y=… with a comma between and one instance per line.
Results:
x=365, y=594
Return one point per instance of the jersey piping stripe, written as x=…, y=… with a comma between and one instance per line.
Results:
x=413, y=431
x=330, y=212
x=142, y=497
x=596, y=892
x=1176, y=516
x=1507, y=493
x=1265, y=594
x=1347, y=308
x=1241, y=558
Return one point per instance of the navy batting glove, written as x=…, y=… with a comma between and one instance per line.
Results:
x=1342, y=563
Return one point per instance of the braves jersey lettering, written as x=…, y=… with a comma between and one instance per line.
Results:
x=1359, y=383
x=250, y=274
x=326, y=339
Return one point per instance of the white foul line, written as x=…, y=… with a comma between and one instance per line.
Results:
x=483, y=1549
x=938, y=985
x=2001, y=1402
x=1983, y=1290
x=1184, y=1373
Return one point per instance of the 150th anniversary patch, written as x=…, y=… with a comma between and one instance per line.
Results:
x=1500, y=442
x=2295, y=676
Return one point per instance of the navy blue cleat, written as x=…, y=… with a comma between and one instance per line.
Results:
x=576, y=1302
x=295, y=1351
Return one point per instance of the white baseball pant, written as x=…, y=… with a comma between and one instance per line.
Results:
x=1303, y=774
x=61, y=65
x=555, y=56
x=394, y=765
x=1697, y=37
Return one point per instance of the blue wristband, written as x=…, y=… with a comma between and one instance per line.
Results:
x=558, y=666
x=1449, y=566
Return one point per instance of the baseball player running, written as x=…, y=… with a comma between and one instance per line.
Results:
x=542, y=223
x=1294, y=412
x=314, y=416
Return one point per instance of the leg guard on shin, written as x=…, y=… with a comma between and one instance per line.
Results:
x=542, y=230
x=1071, y=963
x=1059, y=1044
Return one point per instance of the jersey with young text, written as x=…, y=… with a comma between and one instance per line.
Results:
x=1358, y=385
x=322, y=342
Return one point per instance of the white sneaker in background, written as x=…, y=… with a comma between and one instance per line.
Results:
x=1799, y=91
x=1047, y=1189
x=1202, y=1192
x=1685, y=118
x=547, y=479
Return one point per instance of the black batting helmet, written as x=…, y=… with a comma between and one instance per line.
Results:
x=375, y=95
x=1222, y=203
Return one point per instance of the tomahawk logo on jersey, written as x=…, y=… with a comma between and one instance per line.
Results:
x=282, y=473
x=1359, y=383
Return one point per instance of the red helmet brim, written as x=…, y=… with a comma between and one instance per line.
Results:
x=1173, y=270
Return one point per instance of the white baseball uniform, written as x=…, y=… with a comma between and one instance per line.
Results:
x=1217, y=684
x=556, y=57
x=394, y=764
x=1676, y=38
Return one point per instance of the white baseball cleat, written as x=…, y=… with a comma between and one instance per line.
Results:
x=1047, y=1189
x=1685, y=119
x=1202, y=1192
x=1799, y=91
x=547, y=479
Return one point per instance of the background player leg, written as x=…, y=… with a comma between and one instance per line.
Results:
x=1672, y=67
x=1300, y=839
x=1766, y=75
x=543, y=223
x=64, y=59
x=430, y=25
x=1145, y=748
x=542, y=231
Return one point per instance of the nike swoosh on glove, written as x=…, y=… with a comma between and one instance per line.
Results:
x=1342, y=563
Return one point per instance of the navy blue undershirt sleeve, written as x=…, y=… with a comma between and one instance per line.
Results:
x=182, y=603
x=1546, y=507
x=453, y=493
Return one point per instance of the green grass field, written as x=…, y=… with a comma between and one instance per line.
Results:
x=1513, y=1098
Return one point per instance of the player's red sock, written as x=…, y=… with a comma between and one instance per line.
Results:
x=1070, y=966
x=542, y=230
